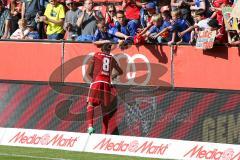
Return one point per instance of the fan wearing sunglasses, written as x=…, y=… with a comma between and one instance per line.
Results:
x=111, y=15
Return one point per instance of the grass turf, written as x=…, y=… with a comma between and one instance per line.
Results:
x=24, y=153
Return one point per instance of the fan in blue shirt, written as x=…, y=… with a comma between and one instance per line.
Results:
x=105, y=34
x=178, y=25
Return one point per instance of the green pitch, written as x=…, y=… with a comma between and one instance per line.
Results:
x=23, y=153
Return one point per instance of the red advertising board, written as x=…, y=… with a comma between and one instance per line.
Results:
x=142, y=65
x=29, y=61
x=215, y=68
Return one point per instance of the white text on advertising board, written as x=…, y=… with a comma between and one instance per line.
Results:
x=147, y=147
x=57, y=140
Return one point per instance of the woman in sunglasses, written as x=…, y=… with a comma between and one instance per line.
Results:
x=111, y=15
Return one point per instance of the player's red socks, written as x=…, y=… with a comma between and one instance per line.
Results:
x=90, y=112
x=105, y=124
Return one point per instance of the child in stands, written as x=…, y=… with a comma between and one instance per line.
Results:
x=22, y=32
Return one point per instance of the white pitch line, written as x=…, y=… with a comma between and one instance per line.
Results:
x=27, y=156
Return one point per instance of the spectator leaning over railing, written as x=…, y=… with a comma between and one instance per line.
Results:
x=70, y=23
x=54, y=18
x=106, y=34
x=178, y=25
x=158, y=26
x=126, y=27
x=204, y=24
x=4, y=22
x=201, y=23
x=147, y=12
x=166, y=14
x=102, y=34
x=87, y=21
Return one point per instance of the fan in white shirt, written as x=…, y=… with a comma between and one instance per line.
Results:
x=22, y=32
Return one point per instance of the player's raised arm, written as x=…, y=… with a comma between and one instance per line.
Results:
x=118, y=69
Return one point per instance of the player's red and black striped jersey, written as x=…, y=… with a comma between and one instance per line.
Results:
x=102, y=67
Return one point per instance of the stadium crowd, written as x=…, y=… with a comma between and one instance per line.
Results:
x=123, y=22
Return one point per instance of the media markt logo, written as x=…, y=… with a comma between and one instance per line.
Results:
x=57, y=140
x=213, y=154
x=148, y=147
